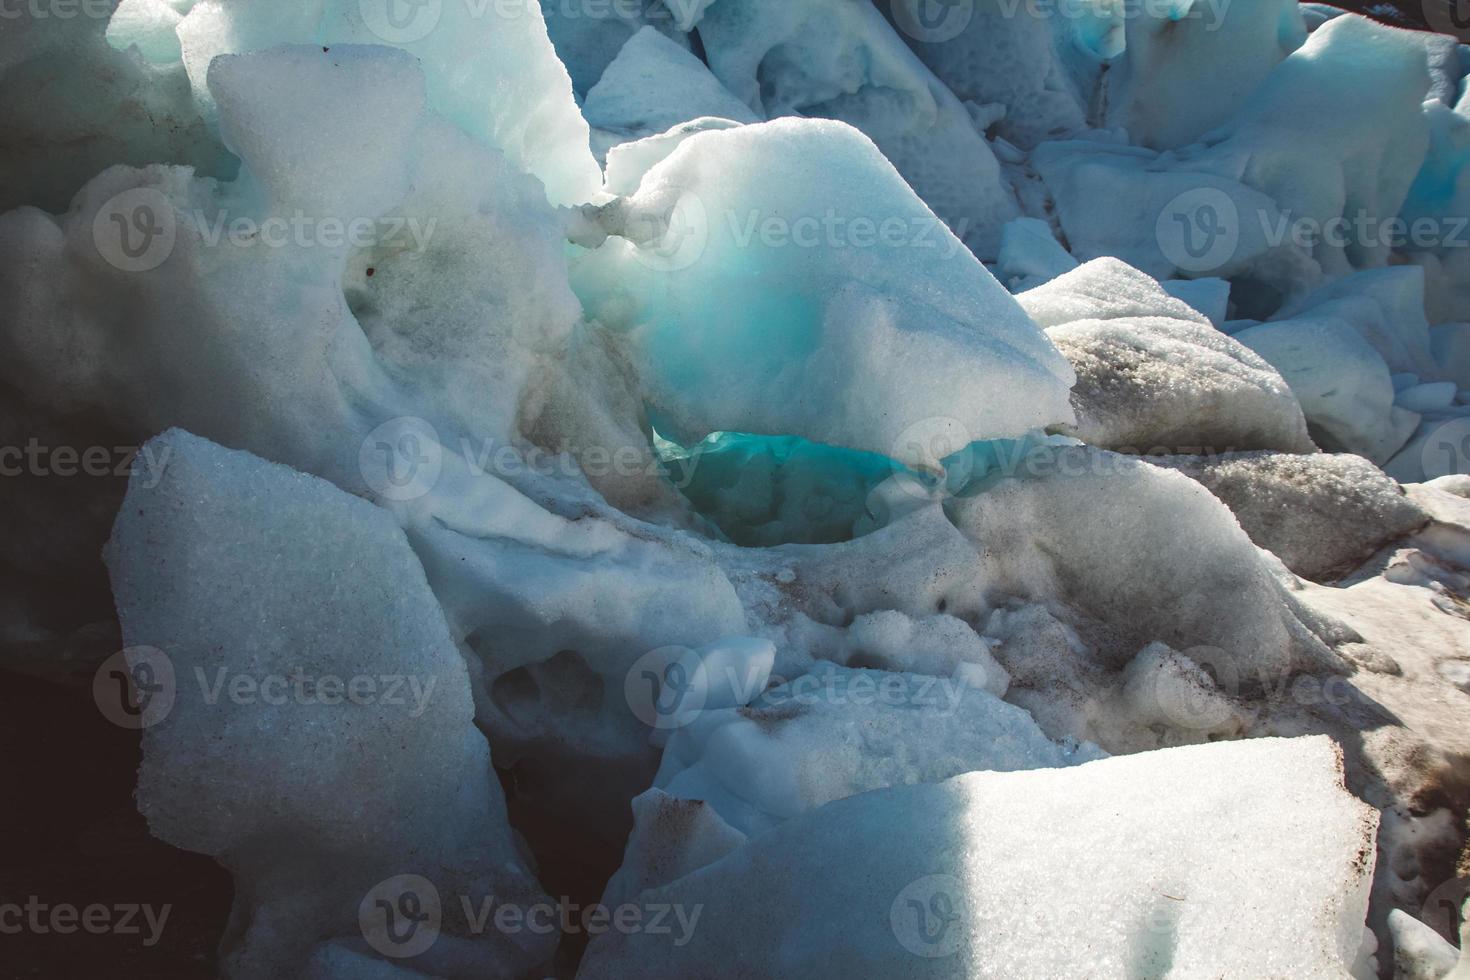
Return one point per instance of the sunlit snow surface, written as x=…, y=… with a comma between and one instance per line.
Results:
x=893, y=489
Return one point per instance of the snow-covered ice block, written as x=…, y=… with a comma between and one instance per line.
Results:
x=1209, y=296
x=1033, y=66
x=841, y=60
x=1150, y=863
x=1343, y=385
x=1030, y=254
x=1167, y=54
x=589, y=34
x=837, y=731
x=1153, y=375
x=1061, y=527
x=794, y=249
x=1321, y=514
x=1419, y=953
x=83, y=106
x=291, y=311
x=653, y=85
x=1385, y=306
x=1435, y=396
x=489, y=69
x=335, y=153
x=291, y=639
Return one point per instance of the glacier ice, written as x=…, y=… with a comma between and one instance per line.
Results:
x=810, y=464
x=863, y=284
x=939, y=879
x=305, y=644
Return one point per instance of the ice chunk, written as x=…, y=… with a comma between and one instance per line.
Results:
x=1030, y=255
x=1343, y=385
x=491, y=70
x=835, y=732
x=1419, y=953
x=292, y=311
x=87, y=106
x=653, y=85
x=1153, y=375
x=588, y=34
x=840, y=60
x=1168, y=53
x=1033, y=66
x=954, y=880
x=1209, y=296
x=1385, y=306
x=1214, y=591
x=302, y=640
x=794, y=249
x=1321, y=515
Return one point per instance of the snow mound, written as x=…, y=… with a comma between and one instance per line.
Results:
x=952, y=879
x=287, y=629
